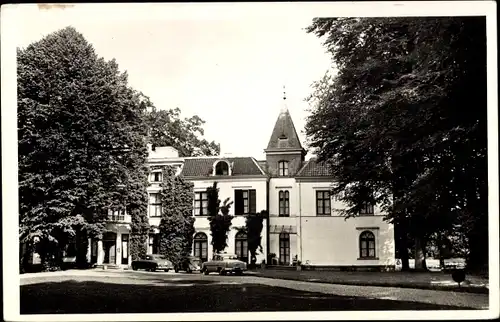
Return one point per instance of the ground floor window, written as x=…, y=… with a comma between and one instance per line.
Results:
x=241, y=246
x=200, y=245
x=284, y=258
x=367, y=245
x=154, y=244
x=125, y=249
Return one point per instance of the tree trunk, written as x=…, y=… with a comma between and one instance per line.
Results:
x=441, y=249
x=419, y=254
x=82, y=245
x=402, y=240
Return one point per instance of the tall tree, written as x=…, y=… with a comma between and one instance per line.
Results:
x=167, y=128
x=253, y=226
x=219, y=218
x=177, y=221
x=389, y=121
x=82, y=137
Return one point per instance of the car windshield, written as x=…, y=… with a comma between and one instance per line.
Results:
x=159, y=257
x=230, y=257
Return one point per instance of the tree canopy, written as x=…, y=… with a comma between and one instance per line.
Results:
x=167, y=128
x=403, y=122
x=82, y=140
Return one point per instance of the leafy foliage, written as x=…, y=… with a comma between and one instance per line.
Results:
x=177, y=221
x=166, y=128
x=82, y=137
x=403, y=123
x=219, y=218
x=254, y=224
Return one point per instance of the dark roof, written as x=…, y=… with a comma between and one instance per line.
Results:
x=313, y=168
x=262, y=164
x=284, y=136
x=203, y=167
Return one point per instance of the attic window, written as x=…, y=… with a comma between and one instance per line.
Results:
x=282, y=141
x=222, y=168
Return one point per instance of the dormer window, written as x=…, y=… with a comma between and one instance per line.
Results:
x=282, y=141
x=222, y=169
x=283, y=168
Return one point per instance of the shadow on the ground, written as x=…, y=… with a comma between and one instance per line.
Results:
x=190, y=296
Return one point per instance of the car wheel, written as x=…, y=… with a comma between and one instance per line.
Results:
x=166, y=271
x=222, y=272
x=134, y=267
x=176, y=270
x=239, y=273
x=205, y=271
x=153, y=269
x=189, y=271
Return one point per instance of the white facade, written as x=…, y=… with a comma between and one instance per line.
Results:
x=226, y=190
x=324, y=240
x=335, y=240
x=304, y=223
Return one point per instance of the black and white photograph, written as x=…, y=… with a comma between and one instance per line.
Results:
x=250, y=161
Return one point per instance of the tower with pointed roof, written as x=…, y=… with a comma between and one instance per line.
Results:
x=284, y=145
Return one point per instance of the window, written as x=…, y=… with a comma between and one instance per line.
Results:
x=284, y=258
x=222, y=168
x=284, y=203
x=116, y=215
x=154, y=244
x=201, y=246
x=156, y=176
x=245, y=202
x=154, y=205
x=323, y=203
x=367, y=245
x=200, y=204
x=241, y=246
x=367, y=209
x=283, y=168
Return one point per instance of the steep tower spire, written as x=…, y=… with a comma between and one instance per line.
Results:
x=284, y=143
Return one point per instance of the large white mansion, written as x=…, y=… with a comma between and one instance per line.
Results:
x=304, y=223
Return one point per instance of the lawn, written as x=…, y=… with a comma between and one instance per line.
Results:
x=424, y=280
x=122, y=295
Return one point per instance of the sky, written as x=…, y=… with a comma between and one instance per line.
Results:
x=229, y=68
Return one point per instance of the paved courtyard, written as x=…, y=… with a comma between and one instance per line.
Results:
x=97, y=291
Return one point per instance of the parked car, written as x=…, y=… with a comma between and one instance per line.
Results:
x=153, y=262
x=224, y=263
x=192, y=264
x=68, y=262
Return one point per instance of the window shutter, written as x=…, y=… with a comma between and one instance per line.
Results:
x=238, y=202
x=253, y=197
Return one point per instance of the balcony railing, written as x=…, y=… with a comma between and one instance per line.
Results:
x=116, y=217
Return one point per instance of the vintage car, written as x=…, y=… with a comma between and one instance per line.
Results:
x=68, y=262
x=192, y=264
x=224, y=263
x=153, y=262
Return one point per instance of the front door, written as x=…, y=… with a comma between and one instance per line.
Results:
x=109, y=245
x=125, y=249
x=109, y=252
